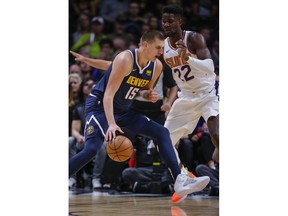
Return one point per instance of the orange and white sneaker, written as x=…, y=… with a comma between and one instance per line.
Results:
x=175, y=198
x=187, y=183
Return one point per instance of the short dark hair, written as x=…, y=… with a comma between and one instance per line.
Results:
x=151, y=35
x=173, y=9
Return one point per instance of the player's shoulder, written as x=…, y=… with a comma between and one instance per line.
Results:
x=195, y=40
x=193, y=35
x=158, y=62
x=125, y=56
x=159, y=65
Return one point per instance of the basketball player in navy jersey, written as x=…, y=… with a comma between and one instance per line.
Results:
x=108, y=109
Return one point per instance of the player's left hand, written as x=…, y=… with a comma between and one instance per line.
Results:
x=181, y=48
x=152, y=95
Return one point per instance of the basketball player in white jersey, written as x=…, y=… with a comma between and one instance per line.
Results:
x=187, y=55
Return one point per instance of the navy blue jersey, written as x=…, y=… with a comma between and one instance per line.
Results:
x=130, y=86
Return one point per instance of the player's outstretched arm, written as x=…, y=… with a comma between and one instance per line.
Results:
x=96, y=63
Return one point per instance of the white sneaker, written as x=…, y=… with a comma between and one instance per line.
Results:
x=96, y=183
x=185, y=185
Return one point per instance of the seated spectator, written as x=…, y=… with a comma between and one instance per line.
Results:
x=204, y=170
x=77, y=126
x=74, y=85
x=186, y=153
x=83, y=27
x=147, y=174
x=203, y=144
x=75, y=68
x=92, y=39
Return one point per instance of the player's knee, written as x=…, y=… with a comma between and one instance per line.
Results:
x=165, y=131
x=201, y=169
x=90, y=149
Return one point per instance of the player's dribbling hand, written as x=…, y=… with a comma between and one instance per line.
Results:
x=181, y=48
x=111, y=132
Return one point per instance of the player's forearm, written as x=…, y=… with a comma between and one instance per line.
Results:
x=108, y=108
x=205, y=65
x=97, y=63
x=172, y=95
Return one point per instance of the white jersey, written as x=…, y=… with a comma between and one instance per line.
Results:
x=193, y=83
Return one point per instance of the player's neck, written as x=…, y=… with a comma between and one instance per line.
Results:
x=176, y=37
x=141, y=59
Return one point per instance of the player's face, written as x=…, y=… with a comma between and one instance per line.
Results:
x=155, y=49
x=171, y=24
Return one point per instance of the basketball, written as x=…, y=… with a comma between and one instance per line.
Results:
x=120, y=149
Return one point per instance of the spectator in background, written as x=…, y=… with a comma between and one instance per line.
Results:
x=154, y=23
x=84, y=50
x=215, y=54
x=145, y=27
x=78, y=123
x=92, y=40
x=110, y=9
x=185, y=149
x=75, y=68
x=86, y=70
x=207, y=34
x=204, y=147
x=74, y=84
x=106, y=54
x=134, y=22
x=133, y=14
x=119, y=29
x=205, y=12
x=106, y=49
x=85, y=6
x=118, y=46
x=213, y=173
x=83, y=27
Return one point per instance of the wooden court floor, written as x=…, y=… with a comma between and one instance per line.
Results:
x=100, y=203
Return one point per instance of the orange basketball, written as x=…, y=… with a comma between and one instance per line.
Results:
x=120, y=149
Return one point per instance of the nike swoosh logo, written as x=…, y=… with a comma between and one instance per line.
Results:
x=189, y=182
x=134, y=69
x=168, y=50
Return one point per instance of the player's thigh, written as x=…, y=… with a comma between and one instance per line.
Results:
x=182, y=120
x=210, y=107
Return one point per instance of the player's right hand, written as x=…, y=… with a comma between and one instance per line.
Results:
x=78, y=56
x=111, y=132
x=181, y=48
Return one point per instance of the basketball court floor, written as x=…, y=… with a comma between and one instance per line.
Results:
x=114, y=203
